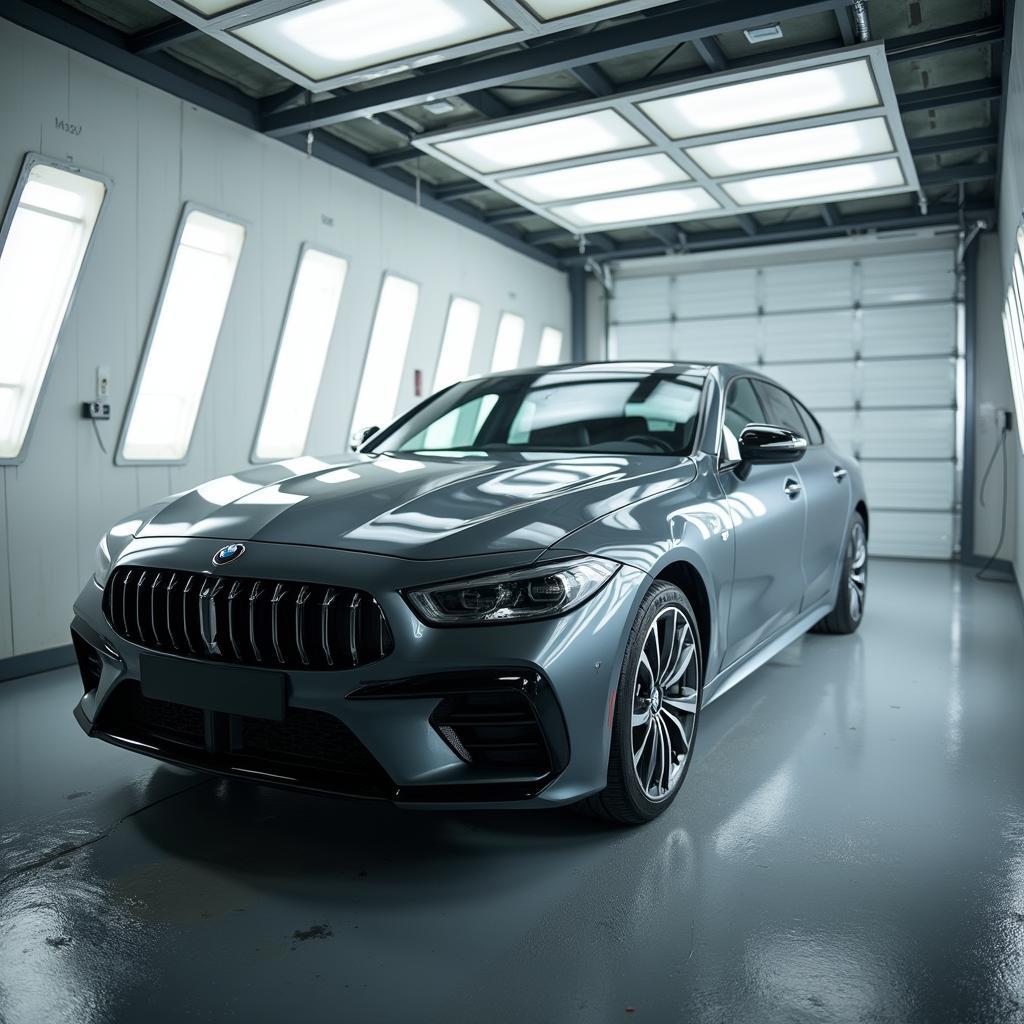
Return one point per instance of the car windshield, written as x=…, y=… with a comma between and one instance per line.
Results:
x=651, y=412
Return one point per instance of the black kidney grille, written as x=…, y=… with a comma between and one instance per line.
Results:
x=274, y=623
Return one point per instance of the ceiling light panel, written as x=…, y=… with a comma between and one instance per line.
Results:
x=337, y=37
x=829, y=142
x=598, y=179
x=794, y=132
x=818, y=183
x=639, y=208
x=545, y=142
x=770, y=99
x=551, y=10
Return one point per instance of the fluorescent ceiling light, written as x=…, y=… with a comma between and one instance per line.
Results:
x=644, y=207
x=335, y=37
x=822, y=181
x=211, y=7
x=546, y=10
x=50, y=229
x=188, y=322
x=298, y=368
x=550, y=351
x=824, y=90
x=457, y=346
x=385, y=357
x=564, y=138
x=842, y=141
x=634, y=172
x=508, y=343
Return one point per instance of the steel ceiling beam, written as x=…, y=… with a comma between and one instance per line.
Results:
x=962, y=173
x=972, y=138
x=593, y=79
x=711, y=53
x=942, y=40
x=830, y=214
x=948, y=95
x=153, y=39
x=558, y=55
x=890, y=220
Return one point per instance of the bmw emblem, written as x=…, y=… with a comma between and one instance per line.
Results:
x=228, y=553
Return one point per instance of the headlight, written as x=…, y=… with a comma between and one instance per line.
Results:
x=102, y=570
x=535, y=593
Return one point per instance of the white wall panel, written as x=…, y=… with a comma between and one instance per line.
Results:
x=160, y=152
x=718, y=340
x=912, y=330
x=826, y=284
x=820, y=385
x=897, y=434
x=715, y=293
x=641, y=298
x=909, y=485
x=643, y=341
x=839, y=424
x=908, y=382
x=919, y=277
x=911, y=534
x=807, y=336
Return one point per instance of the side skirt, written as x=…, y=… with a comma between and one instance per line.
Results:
x=739, y=671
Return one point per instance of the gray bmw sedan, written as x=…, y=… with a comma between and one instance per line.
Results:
x=519, y=594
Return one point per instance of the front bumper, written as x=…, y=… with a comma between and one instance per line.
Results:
x=562, y=672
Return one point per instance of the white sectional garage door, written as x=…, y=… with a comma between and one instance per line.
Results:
x=870, y=344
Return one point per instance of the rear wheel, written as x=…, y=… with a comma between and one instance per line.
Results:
x=853, y=583
x=656, y=710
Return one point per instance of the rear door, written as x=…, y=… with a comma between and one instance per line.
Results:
x=768, y=514
x=826, y=489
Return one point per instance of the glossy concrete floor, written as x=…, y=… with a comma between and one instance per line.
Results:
x=849, y=847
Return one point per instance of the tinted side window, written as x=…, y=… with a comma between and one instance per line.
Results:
x=814, y=434
x=742, y=406
x=780, y=408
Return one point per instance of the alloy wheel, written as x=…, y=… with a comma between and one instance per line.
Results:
x=858, y=576
x=666, y=690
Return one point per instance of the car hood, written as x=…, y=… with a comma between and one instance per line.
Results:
x=416, y=506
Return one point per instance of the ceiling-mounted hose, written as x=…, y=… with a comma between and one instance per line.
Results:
x=859, y=10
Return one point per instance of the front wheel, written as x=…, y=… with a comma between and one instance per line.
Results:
x=853, y=583
x=656, y=709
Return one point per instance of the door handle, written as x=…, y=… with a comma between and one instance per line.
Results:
x=792, y=488
x=839, y=473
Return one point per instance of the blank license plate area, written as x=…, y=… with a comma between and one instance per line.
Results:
x=237, y=691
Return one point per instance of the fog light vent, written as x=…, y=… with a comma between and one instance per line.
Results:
x=90, y=664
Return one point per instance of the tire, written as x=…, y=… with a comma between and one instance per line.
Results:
x=672, y=715
x=851, y=593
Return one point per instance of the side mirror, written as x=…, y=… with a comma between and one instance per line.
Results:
x=360, y=437
x=762, y=442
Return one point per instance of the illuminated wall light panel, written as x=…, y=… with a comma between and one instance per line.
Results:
x=769, y=99
x=457, y=344
x=186, y=326
x=827, y=142
x=336, y=37
x=560, y=138
x=301, y=354
x=1013, y=328
x=550, y=352
x=597, y=179
x=508, y=343
x=817, y=183
x=817, y=113
x=43, y=241
x=385, y=357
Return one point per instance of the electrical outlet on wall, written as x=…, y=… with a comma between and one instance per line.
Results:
x=102, y=381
